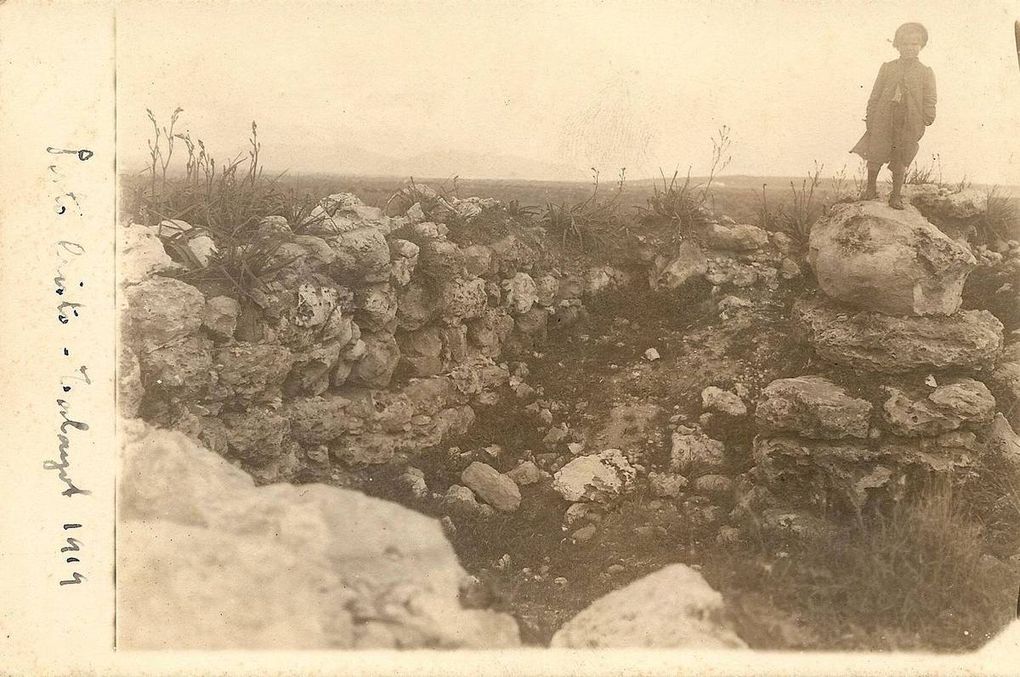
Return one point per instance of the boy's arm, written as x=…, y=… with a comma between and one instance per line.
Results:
x=876, y=91
x=930, y=98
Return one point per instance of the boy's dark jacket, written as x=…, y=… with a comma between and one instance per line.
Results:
x=918, y=87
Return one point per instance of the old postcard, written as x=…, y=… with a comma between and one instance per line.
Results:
x=453, y=337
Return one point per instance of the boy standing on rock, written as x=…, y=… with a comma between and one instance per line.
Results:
x=901, y=105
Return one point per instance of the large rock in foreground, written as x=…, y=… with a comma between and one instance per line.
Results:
x=208, y=561
x=874, y=257
x=875, y=342
x=671, y=608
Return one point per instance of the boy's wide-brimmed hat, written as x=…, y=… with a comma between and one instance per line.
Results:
x=911, y=28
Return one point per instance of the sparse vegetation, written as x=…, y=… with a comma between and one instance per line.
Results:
x=225, y=202
x=796, y=217
x=1002, y=219
x=686, y=205
x=588, y=222
x=908, y=578
x=931, y=173
x=919, y=174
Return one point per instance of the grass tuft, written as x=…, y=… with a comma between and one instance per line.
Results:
x=588, y=222
x=685, y=205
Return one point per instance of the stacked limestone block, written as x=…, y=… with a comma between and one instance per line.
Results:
x=900, y=394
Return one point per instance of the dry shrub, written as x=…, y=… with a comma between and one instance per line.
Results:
x=1002, y=219
x=795, y=217
x=225, y=201
x=685, y=205
x=588, y=222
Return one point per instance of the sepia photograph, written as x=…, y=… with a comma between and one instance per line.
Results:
x=534, y=326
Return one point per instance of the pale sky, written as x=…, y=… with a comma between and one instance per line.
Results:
x=549, y=89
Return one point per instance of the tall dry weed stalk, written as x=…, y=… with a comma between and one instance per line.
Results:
x=687, y=205
x=588, y=222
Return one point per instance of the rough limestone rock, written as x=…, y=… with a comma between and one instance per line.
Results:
x=403, y=260
x=421, y=351
x=695, y=453
x=1006, y=379
x=182, y=368
x=818, y=473
x=546, y=289
x=896, y=262
x=812, y=406
x=687, y=264
x=220, y=316
x=160, y=310
x=315, y=303
x=492, y=486
x=601, y=279
x=250, y=372
x=274, y=225
x=315, y=250
x=955, y=212
x=462, y=299
x=489, y=332
x=672, y=608
x=478, y=260
x=256, y=435
x=455, y=344
x=320, y=420
x=362, y=253
x=946, y=408
x=738, y=237
x=723, y=402
x=595, y=477
x=872, y=341
x=141, y=254
x=440, y=259
x=1004, y=442
x=312, y=369
x=416, y=307
x=666, y=485
x=208, y=561
x=376, y=366
x=459, y=500
x=521, y=293
x=526, y=473
x=376, y=306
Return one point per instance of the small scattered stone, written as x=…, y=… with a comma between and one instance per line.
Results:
x=666, y=485
x=414, y=480
x=714, y=485
x=492, y=486
x=695, y=452
x=718, y=400
x=652, y=354
x=583, y=534
x=526, y=473
x=648, y=530
x=556, y=436
x=728, y=535
x=615, y=569
x=595, y=477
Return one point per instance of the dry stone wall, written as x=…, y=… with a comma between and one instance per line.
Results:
x=369, y=336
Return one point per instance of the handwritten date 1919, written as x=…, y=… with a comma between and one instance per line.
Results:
x=73, y=546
